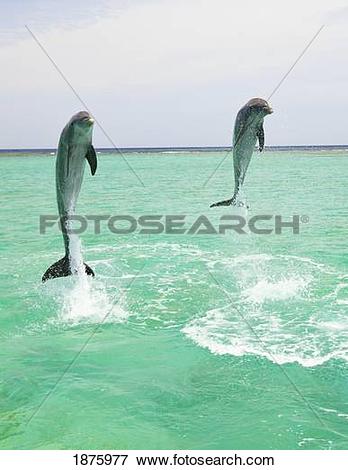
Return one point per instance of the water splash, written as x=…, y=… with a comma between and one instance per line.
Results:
x=87, y=301
x=282, y=289
x=75, y=257
x=83, y=299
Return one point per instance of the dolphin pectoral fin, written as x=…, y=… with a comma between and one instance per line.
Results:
x=89, y=271
x=261, y=136
x=92, y=159
x=228, y=202
x=59, y=269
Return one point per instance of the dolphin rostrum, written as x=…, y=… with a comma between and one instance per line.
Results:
x=247, y=129
x=75, y=146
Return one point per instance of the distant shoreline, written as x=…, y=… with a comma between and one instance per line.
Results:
x=275, y=148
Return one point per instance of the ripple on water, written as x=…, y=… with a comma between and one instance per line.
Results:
x=279, y=312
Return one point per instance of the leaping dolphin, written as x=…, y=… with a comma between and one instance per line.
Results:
x=247, y=129
x=75, y=146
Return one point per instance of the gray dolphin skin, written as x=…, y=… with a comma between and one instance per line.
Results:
x=75, y=147
x=247, y=129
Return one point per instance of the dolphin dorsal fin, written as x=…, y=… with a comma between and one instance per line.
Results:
x=92, y=159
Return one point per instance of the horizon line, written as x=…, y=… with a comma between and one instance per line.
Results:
x=206, y=148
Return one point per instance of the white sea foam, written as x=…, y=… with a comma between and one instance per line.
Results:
x=230, y=333
x=282, y=289
x=279, y=309
x=272, y=315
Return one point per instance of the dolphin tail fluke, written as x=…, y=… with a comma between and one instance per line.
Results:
x=228, y=202
x=89, y=270
x=62, y=269
x=59, y=269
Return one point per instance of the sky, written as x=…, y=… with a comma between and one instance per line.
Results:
x=173, y=72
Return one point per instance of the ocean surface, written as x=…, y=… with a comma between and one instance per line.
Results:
x=181, y=341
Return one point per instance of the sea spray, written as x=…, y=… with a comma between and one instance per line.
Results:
x=86, y=300
x=82, y=299
x=75, y=257
x=79, y=303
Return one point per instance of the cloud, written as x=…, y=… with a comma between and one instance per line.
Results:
x=337, y=15
x=163, y=72
x=47, y=14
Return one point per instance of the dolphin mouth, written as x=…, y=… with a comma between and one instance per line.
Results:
x=89, y=121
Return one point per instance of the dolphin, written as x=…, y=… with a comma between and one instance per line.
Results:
x=75, y=147
x=247, y=129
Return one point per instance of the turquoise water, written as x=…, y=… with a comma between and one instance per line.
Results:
x=211, y=341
